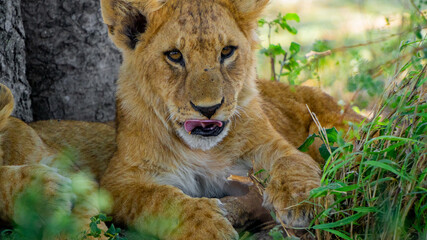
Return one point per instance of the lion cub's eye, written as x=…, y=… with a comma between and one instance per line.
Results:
x=227, y=52
x=175, y=56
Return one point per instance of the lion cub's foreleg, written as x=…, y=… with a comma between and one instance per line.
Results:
x=162, y=210
x=292, y=173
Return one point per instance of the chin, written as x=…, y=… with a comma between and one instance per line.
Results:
x=204, y=143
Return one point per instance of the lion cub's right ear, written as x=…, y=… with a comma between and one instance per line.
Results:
x=127, y=20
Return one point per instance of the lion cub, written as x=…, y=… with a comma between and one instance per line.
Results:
x=189, y=114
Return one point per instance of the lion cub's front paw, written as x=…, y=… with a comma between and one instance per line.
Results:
x=205, y=219
x=55, y=187
x=287, y=201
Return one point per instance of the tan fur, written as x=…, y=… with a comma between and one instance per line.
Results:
x=30, y=154
x=286, y=108
x=160, y=174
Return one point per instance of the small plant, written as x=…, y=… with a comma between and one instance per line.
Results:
x=112, y=233
x=289, y=65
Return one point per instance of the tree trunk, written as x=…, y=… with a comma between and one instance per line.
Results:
x=71, y=64
x=12, y=57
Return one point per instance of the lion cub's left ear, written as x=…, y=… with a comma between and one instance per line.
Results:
x=127, y=20
x=248, y=11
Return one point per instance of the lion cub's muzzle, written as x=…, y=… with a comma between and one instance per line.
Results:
x=202, y=127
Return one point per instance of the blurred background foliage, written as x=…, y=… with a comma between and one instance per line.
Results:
x=364, y=38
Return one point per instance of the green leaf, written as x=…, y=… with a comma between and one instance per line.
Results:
x=307, y=143
x=392, y=138
x=294, y=48
x=261, y=22
x=365, y=209
x=103, y=217
x=332, y=135
x=388, y=149
x=275, y=50
x=408, y=43
x=347, y=188
x=290, y=29
x=259, y=172
x=322, y=191
x=341, y=222
x=94, y=230
x=324, y=152
x=284, y=25
x=338, y=233
x=381, y=180
x=406, y=66
x=292, y=16
x=112, y=231
x=385, y=167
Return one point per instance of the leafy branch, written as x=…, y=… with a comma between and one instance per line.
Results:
x=273, y=51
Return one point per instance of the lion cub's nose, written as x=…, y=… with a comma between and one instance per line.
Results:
x=207, y=111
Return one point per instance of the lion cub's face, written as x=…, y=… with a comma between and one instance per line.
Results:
x=197, y=60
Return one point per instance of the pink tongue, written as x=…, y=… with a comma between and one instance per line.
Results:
x=189, y=125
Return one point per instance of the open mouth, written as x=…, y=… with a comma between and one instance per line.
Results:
x=205, y=128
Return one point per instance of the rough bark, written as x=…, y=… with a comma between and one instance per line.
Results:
x=71, y=64
x=12, y=57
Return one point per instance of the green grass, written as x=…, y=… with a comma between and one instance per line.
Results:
x=374, y=183
x=375, y=187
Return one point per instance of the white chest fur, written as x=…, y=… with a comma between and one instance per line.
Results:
x=203, y=177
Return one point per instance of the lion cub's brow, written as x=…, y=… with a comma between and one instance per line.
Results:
x=204, y=26
x=202, y=18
